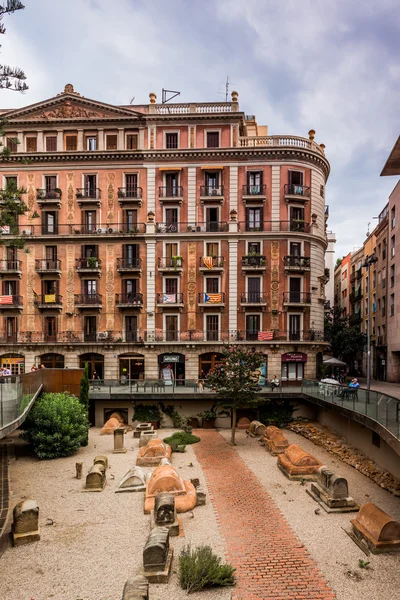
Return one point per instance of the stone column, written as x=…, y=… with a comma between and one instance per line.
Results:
x=80, y=140
x=121, y=144
x=119, y=447
x=151, y=365
x=233, y=188
x=21, y=139
x=100, y=139
x=60, y=140
x=40, y=140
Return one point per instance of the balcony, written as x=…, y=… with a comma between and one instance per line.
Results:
x=52, y=301
x=356, y=275
x=168, y=264
x=11, y=301
x=11, y=268
x=89, y=264
x=49, y=198
x=170, y=195
x=355, y=319
x=170, y=300
x=297, y=193
x=88, y=196
x=356, y=295
x=253, y=300
x=129, y=300
x=211, y=193
x=130, y=196
x=296, y=298
x=48, y=266
x=211, y=300
x=207, y=227
x=212, y=263
x=129, y=265
x=299, y=264
x=254, y=262
x=93, y=301
x=254, y=194
x=295, y=225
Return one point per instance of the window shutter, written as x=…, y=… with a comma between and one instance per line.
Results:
x=111, y=142
x=31, y=144
x=51, y=144
x=71, y=142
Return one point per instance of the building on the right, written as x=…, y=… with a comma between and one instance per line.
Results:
x=391, y=236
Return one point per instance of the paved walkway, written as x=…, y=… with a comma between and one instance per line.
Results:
x=271, y=562
x=385, y=387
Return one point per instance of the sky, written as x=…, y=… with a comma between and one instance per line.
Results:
x=328, y=65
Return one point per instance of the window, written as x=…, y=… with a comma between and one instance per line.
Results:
x=252, y=327
x=254, y=182
x=254, y=219
x=171, y=185
x=11, y=328
x=130, y=220
x=89, y=220
x=89, y=329
x=211, y=181
x=292, y=371
x=295, y=327
x=130, y=254
x=50, y=329
x=212, y=328
x=11, y=183
x=295, y=249
x=171, y=285
x=384, y=250
x=71, y=143
x=31, y=144
x=50, y=183
x=344, y=274
x=384, y=306
x=253, y=289
x=296, y=216
x=295, y=182
x=51, y=143
x=171, y=216
x=171, y=140
x=392, y=245
x=294, y=289
x=12, y=144
x=171, y=250
x=212, y=249
x=322, y=191
x=212, y=139
x=391, y=276
x=91, y=143
x=49, y=222
x=391, y=305
x=254, y=248
x=130, y=287
x=171, y=328
x=131, y=182
x=212, y=285
x=344, y=294
x=89, y=287
x=50, y=287
x=393, y=217
x=89, y=251
x=10, y=288
x=131, y=326
x=373, y=279
x=132, y=141
x=111, y=142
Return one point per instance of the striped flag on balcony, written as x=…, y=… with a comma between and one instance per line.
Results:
x=208, y=262
x=169, y=298
x=213, y=298
x=265, y=336
x=6, y=299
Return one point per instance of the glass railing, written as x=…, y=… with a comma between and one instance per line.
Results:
x=377, y=406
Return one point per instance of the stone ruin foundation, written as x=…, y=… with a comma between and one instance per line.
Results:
x=274, y=440
x=380, y=532
x=164, y=513
x=136, y=588
x=110, y=426
x=152, y=454
x=332, y=492
x=96, y=478
x=256, y=428
x=142, y=427
x=296, y=464
x=157, y=556
x=166, y=479
x=25, y=526
x=134, y=481
x=119, y=446
x=146, y=436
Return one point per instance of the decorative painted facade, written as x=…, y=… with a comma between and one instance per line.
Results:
x=161, y=229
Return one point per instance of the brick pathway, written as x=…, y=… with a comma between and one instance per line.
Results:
x=271, y=562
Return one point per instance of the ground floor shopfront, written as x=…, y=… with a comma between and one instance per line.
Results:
x=172, y=363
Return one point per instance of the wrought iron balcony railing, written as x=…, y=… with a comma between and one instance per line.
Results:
x=131, y=299
x=129, y=264
x=89, y=263
x=47, y=265
x=88, y=299
x=211, y=190
x=170, y=191
x=91, y=193
x=134, y=192
x=254, y=190
x=170, y=299
x=297, y=297
x=297, y=190
x=251, y=261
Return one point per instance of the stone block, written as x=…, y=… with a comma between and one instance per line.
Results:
x=297, y=464
x=152, y=454
x=164, y=513
x=256, y=428
x=146, y=436
x=200, y=496
x=274, y=440
x=332, y=492
x=136, y=588
x=142, y=427
x=157, y=556
x=119, y=447
x=25, y=526
x=378, y=529
x=166, y=479
x=118, y=416
x=110, y=426
x=101, y=460
x=134, y=481
x=96, y=478
x=243, y=423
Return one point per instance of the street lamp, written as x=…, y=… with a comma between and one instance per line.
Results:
x=369, y=260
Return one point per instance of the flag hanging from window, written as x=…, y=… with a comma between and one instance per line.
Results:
x=208, y=262
x=213, y=298
x=265, y=336
x=169, y=298
x=50, y=298
x=6, y=299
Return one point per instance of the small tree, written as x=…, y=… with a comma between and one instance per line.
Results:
x=345, y=341
x=56, y=426
x=236, y=380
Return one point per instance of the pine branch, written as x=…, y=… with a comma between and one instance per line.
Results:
x=10, y=7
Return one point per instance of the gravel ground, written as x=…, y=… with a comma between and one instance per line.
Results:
x=334, y=552
x=97, y=539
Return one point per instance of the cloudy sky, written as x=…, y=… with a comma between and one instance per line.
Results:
x=330, y=65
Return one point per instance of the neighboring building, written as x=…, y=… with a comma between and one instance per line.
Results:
x=342, y=285
x=381, y=232
x=369, y=298
x=330, y=266
x=163, y=232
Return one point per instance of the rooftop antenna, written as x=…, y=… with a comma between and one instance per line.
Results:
x=165, y=99
x=133, y=100
x=227, y=84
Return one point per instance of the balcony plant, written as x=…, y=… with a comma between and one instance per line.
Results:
x=58, y=191
x=92, y=262
x=134, y=230
x=148, y=413
x=176, y=261
x=208, y=418
x=40, y=194
x=79, y=195
x=297, y=225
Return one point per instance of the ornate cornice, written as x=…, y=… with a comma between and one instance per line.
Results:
x=228, y=154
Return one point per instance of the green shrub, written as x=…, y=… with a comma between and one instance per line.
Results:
x=26, y=398
x=181, y=438
x=56, y=426
x=200, y=568
x=147, y=413
x=276, y=412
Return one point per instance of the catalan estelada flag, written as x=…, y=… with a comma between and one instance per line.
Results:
x=213, y=298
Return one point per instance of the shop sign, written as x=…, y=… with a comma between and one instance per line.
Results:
x=294, y=357
x=173, y=358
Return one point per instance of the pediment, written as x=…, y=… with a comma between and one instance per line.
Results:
x=69, y=106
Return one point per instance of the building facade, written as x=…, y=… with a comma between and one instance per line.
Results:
x=343, y=285
x=157, y=233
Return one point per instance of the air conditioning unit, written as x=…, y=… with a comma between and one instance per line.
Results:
x=102, y=335
x=214, y=192
x=111, y=230
x=102, y=230
x=26, y=232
